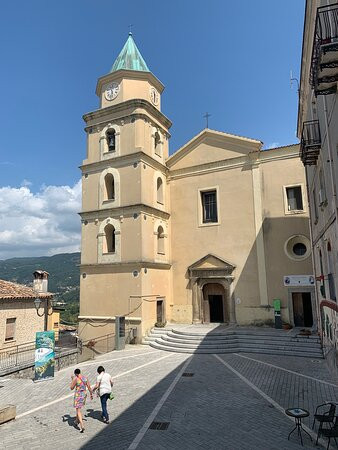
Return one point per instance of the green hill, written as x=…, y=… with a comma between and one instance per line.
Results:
x=64, y=276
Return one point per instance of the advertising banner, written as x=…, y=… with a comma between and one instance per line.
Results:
x=44, y=355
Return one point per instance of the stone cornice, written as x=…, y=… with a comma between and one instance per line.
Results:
x=254, y=159
x=131, y=264
x=121, y=107
x=123, y=161
x=122, y=211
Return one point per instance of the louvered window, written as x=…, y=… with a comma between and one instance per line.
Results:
x=10, y=329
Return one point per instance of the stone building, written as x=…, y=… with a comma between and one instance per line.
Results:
x=318, y=132
x=19, y=319
x=213, y=233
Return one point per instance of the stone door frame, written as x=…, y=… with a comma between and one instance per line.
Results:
x=197, y=284
x=219, y=274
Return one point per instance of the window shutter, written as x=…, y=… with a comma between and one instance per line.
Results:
x=10, y=329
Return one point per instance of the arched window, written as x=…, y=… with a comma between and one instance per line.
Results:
x=109, y=242
x=160, y=240
x=159, y=190
x=111, y=139
x=157, y=143
x=109, y=192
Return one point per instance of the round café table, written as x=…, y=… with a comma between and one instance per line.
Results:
x=298, y=414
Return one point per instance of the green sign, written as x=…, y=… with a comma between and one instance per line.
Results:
x=44, y=355
x=276, y=304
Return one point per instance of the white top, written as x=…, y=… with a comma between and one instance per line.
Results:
x=104, y=380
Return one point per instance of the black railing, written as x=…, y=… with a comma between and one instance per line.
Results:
x=327, y=24
x=310, y=143
x=325, y=40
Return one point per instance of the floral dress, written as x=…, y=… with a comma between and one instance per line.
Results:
x=80, y=392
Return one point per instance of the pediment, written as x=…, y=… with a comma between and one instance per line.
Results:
x=210, y=146
x=212, y=262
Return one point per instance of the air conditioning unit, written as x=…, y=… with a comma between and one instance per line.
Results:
x=322, y=197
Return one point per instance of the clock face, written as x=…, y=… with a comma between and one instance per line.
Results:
x=112, y=91
x=154, y=96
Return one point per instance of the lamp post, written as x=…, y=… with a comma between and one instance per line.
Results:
x=38, y=304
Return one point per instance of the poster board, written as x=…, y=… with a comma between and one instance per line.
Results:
x=44, y=355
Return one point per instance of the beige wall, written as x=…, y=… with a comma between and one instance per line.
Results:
x=27, y=321
x=251, y=207
x=322, y=182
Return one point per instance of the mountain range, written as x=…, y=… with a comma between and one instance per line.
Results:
x=63, y=269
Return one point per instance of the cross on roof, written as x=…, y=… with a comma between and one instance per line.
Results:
x=206, y=116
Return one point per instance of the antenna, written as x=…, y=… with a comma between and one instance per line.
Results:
x=292, y=78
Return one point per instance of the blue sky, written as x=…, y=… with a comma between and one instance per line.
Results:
x=230, y=58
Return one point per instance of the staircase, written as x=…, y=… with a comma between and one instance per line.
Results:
x=234, y=340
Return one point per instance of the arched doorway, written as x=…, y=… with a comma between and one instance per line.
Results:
x=214, y=303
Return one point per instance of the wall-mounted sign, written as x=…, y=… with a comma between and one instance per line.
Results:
x=299, y=280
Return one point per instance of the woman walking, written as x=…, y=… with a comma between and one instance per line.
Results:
x=80, y=384
x=104, y=384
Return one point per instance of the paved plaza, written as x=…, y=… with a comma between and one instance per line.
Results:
x=231, y=401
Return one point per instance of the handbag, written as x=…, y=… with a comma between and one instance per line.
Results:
x=111, y=396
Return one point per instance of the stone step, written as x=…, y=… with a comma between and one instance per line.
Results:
x=257, y=339
x=239, y=341
x=271, y=335
x=271, y=351
x=236, y=346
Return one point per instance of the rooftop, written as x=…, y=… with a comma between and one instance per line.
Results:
x=15, y=291
x=130, y=58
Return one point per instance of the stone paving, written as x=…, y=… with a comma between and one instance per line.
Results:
x=231, y=402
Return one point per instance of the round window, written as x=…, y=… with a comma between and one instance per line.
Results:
x=297, y=247
x=135, y=273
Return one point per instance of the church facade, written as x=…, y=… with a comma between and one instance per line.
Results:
x=213, y=233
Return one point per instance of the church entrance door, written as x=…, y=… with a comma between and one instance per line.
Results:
x=214, y=302
x=216, y=308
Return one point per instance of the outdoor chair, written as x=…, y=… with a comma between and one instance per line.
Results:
x=324, y=416
x=331, y=433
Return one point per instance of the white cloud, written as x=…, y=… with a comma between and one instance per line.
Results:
x=272, y=145
x=42, y=223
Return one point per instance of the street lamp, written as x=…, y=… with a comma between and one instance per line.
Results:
x=37, y=304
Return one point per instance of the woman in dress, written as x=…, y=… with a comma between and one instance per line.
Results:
x=80, y=384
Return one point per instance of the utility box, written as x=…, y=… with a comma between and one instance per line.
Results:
x=120, y=332
x=278, y=317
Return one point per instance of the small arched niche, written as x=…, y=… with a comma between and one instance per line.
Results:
x=160, y=240
x=109, y=187
x=159, y=191
x=109, y=239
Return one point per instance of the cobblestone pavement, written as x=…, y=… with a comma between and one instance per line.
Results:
x=230, y=402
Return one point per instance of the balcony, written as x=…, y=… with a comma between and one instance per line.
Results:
x=310, y=143
x=324, y=61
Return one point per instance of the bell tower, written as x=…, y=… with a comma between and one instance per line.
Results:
x=125, y=253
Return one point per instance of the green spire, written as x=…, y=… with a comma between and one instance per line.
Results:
x=130, y=58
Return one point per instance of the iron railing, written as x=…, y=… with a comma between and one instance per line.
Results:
x=310, y=143
x=325, y=40
x=22, y=354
